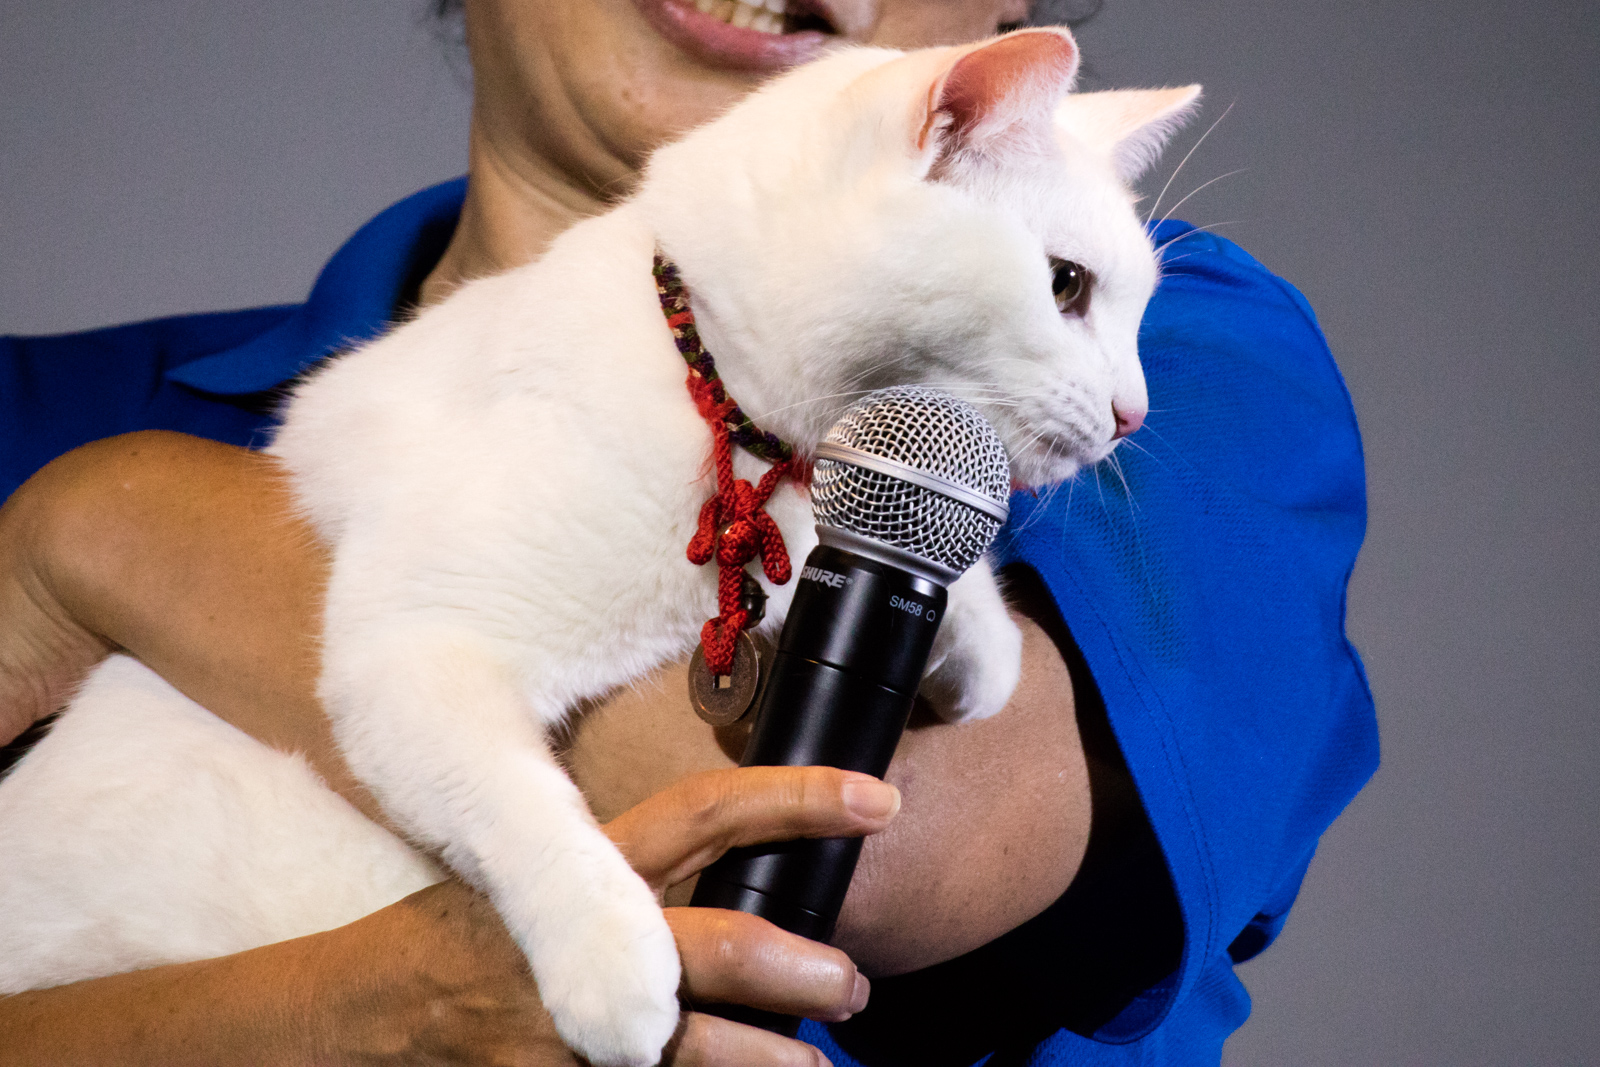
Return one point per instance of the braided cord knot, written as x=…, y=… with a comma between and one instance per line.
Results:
x=734, y=528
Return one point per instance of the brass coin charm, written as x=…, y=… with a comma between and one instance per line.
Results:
x=722, y=700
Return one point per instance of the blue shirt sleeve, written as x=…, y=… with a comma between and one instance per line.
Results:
x=1203, y=576
x=59, y=392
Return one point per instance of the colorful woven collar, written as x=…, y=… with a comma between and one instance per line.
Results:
x=680, y=317
x=733, y=528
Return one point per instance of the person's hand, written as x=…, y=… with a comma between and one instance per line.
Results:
x=475, y=1002
x=733, y=958
x=435, y=978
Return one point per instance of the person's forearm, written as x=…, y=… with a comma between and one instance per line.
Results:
x=433, y=978
x=268, y=1005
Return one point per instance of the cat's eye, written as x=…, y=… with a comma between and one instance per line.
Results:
x=1071, y=286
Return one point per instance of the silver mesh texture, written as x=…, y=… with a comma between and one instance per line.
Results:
x=930, y=432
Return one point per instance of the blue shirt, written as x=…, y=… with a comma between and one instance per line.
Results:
x=1204, y=583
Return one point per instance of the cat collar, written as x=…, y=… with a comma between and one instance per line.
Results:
x=733, y=526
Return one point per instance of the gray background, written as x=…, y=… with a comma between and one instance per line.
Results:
x=1426, y=172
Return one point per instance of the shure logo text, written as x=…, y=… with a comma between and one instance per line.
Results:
x=828, y=578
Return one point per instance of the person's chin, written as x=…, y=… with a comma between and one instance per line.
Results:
x=718, y=42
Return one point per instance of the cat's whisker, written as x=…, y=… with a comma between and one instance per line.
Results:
x=1133, y=527
x=1002, y=401
x=1186, y=255
x=1179, y=169
x=1066, y=512
x=966, y=386
x=1069, y=484
x=1147, y=428
x=810, y=400
x=875, y=369
x=1101, y=489
x=1042, y=507
x=991, y=360
x=998, y=398
x=1210, y=228
x=1198, y=188
x=1033, y=437
x=978, y=392
x=996, y=393
x=1116, y=465
x=1150, y=429
x=1131, y=443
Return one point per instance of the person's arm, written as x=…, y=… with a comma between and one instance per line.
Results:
x=188, y=554
x=435, y=978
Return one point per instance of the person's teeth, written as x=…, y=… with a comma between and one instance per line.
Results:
x=764, y=15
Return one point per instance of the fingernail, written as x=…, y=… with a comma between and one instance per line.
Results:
x=859, y=995
x=871, y=799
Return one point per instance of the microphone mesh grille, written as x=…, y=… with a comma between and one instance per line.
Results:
x=928, y=431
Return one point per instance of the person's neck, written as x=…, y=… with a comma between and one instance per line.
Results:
x=517, y=203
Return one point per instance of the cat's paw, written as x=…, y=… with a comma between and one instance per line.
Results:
x=607, y=966
x=977, y=657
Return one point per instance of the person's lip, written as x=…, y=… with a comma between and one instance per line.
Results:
x=719, y=44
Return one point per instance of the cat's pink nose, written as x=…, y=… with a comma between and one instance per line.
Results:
x=1128, y=419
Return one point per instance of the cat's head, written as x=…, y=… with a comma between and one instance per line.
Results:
x=950, y=217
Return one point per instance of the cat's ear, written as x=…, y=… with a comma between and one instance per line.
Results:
x=1132, y=126
x=999, y=91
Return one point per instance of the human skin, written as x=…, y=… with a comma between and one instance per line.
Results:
x=186, y=553
x=450, y=986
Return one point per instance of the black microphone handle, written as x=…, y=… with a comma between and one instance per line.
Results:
x=843, y=681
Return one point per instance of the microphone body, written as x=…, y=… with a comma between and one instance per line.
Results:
x=909, y=489
x=843, y=681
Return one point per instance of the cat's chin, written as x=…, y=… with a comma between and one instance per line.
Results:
x=1039, y=465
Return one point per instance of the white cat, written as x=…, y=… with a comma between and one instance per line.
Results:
x=509, y=481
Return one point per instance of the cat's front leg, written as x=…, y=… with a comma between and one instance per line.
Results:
x=433, y=721
x=977, y=655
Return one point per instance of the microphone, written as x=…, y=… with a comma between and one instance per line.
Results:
x=909, y=488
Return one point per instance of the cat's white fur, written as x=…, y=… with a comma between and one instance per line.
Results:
x=509, y=482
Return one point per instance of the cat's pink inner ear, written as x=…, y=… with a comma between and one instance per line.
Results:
x=1013, y=79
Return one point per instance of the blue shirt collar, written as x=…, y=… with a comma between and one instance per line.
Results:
x=354, y=300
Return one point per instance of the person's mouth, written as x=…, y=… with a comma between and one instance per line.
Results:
x=743, y=34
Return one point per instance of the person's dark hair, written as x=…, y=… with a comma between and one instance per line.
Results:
x=1040, y=12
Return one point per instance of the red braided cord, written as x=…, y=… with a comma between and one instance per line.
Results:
x=733, y=528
